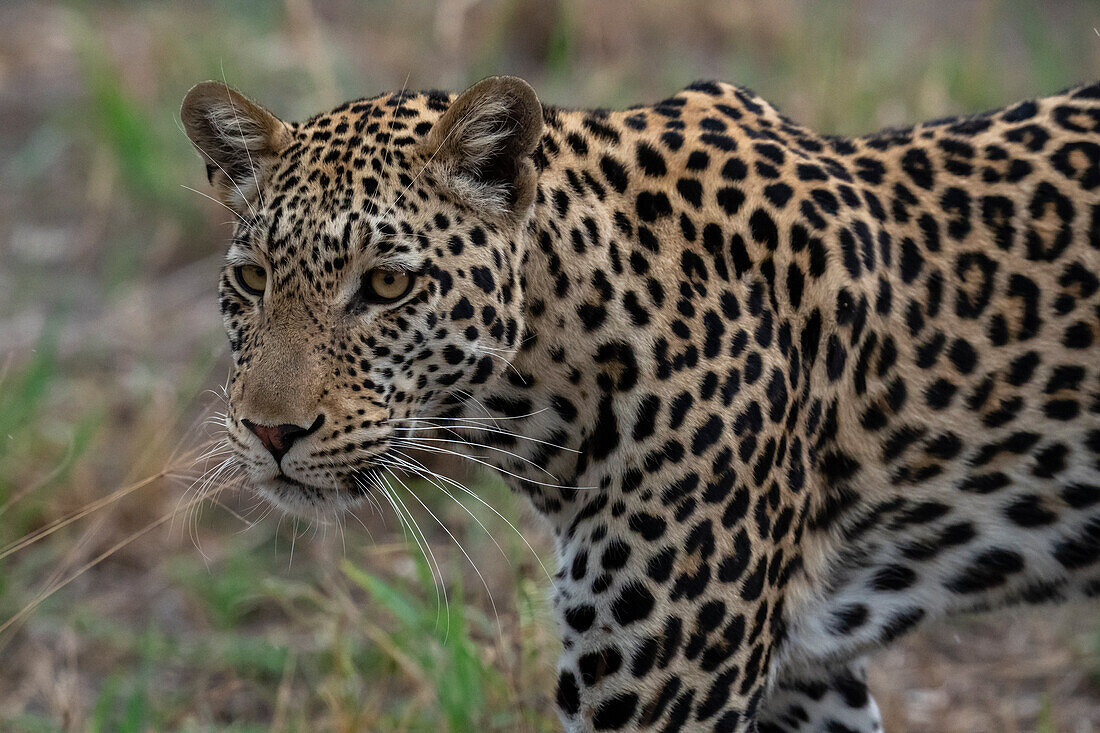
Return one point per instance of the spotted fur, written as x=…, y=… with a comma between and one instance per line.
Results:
x=798, y=393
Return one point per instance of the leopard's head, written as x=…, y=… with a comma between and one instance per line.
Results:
x=372, y=276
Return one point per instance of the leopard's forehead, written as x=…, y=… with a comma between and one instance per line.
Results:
x=352, y=178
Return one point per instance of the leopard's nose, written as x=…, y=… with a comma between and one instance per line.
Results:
x=278, y=438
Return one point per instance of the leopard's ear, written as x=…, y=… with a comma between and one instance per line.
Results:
x=237, y=139
x=481, y=146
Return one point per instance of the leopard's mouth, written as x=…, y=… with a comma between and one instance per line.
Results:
x=315, y=501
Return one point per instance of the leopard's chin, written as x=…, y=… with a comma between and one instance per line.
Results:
x=316, y=503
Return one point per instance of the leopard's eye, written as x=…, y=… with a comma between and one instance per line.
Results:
x=386, y=286
x=251, y=278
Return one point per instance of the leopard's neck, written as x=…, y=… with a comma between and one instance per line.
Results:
x=629, y=311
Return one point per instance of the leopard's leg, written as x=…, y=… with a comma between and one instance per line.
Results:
x=831, y=699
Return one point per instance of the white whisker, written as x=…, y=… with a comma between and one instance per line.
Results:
x=219, y=203
x=462, y=549
x=411, y=464
x=444, y=451
x=425, y=548
x=517, y=436
x=240, y=131
x=470, y=419
x=478, y=446
x=389, y=137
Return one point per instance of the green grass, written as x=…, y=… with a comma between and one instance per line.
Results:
x=363, y=646
x=32, y=439
x=437, y=643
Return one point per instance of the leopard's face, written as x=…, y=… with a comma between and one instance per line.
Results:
x=359, y=327
x=372, y=283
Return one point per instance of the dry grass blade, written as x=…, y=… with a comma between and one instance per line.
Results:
x=58, y=585
x=114, y=496
x=38, y=485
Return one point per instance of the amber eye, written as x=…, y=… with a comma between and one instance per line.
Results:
x=385, y=286
x=251, y=278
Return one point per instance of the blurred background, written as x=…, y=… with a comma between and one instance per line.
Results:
x=123, y=607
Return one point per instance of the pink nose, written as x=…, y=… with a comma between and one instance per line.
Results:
x=279, y=438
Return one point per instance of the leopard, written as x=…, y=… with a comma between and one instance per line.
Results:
x=780, y=397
